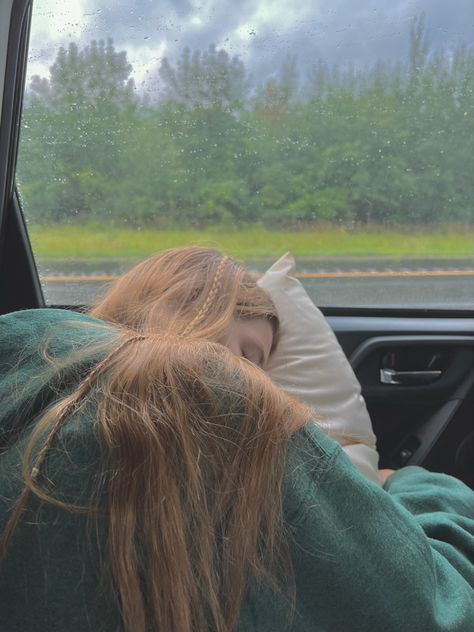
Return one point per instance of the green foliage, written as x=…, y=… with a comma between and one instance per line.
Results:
x=205, y=80
x=389, y=146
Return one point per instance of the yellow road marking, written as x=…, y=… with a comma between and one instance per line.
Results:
x=387, y=273
x=80, y=277
x=303, y=275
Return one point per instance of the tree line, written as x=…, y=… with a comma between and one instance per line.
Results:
x=388, y=145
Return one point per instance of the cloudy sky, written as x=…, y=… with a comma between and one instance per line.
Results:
x=260, y=32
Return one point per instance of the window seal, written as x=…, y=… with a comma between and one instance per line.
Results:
x=15, y=75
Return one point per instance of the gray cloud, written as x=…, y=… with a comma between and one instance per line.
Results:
x=336, y=32
x=364, y=32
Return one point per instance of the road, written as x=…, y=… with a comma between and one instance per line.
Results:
x=336, y=281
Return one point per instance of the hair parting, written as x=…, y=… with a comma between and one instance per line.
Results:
x=215, y=287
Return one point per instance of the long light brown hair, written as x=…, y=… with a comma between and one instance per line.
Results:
x=184, y=290
x=195, y=439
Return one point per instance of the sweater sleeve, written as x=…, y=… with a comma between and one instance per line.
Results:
x=366, y=558
x=27, y=382
x=51, y=579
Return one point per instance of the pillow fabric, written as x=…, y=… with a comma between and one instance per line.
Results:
x=309, y=364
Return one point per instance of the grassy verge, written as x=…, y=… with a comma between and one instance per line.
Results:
x=105, y=241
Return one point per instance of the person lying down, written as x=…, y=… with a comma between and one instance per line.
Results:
x=154, y=476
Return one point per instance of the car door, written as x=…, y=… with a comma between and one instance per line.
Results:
x=355, y=169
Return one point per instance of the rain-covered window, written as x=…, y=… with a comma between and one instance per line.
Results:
x=341, y=131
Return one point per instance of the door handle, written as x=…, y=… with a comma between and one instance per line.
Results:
x=408, y=378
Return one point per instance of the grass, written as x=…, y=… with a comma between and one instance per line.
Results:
x=91, y=241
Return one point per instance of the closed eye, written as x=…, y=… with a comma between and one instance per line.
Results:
x=254, y=355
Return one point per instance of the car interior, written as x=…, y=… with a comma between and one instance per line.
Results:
x=415, y=366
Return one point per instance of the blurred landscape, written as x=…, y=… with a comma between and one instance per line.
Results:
x=358, y=161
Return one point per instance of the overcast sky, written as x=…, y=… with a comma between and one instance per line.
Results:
x=260, y=32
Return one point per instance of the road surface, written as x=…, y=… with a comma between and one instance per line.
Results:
x=337, y=282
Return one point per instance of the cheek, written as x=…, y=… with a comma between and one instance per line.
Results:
x=232, y=343
x=235, y=348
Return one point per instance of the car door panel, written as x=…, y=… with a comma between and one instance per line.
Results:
x=427, y=424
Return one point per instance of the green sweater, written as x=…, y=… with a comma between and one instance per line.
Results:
x=397, y=559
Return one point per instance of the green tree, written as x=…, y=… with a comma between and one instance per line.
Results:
x=78, y=120
x=208, y=79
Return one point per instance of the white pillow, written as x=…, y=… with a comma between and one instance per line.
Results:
x=309, y=364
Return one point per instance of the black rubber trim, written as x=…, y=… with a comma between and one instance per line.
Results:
x=15, y=72
x=397, y=312
x=20, y=286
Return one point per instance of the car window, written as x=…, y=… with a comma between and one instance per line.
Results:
x=342, y=132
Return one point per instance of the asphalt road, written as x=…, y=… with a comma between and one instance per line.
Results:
x=337, y=282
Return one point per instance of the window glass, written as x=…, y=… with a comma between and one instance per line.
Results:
x=340, y=131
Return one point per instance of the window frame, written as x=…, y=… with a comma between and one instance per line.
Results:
x=19, y=280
